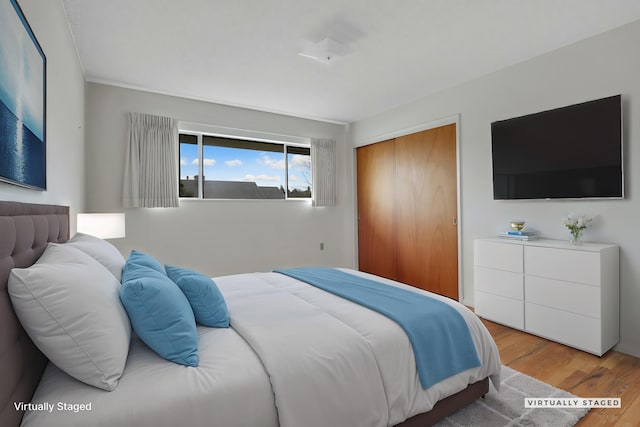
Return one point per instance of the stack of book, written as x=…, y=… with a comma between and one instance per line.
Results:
x=518, y=235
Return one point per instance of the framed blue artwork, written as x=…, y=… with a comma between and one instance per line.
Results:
x=23, y=71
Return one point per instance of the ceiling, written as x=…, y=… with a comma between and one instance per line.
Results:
x=245, y=52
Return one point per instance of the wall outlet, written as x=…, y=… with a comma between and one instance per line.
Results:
x=322, y=246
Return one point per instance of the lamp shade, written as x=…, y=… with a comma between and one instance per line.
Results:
x=103, y=225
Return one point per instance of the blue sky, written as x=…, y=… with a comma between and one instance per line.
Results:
x=233, y=164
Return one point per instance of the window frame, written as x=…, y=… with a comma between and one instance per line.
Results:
x=200, y=131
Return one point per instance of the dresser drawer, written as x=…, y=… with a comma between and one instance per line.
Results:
x=573, y=297
x=503, y=310
x=563, y=264
x=572, y=329
x=498, y=282
x=500, y=256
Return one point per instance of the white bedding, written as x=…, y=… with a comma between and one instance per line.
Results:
x=363, y=369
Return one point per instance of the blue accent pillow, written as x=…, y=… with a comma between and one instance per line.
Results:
x=140, y=258
x=160, y=314
x=204, y=296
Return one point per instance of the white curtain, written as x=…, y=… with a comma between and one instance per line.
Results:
x=151, y=168
x=323, y=167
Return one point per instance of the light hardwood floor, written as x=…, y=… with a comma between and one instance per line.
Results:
x=585, y=375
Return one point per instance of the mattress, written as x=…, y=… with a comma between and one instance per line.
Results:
x=247, y=378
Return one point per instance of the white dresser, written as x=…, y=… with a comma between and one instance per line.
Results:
x=563, y=292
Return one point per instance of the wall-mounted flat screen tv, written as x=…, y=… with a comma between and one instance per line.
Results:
x=567, y=153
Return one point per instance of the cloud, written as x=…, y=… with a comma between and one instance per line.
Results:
x=232, y=163
x=184, y=162
x=300, y=160
x=262, y=177
x=206, y=162
x=265, y=160
x=293, y=177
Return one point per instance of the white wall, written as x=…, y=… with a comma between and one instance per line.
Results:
x=216, y=237
x=605, y=65
x=65, y=112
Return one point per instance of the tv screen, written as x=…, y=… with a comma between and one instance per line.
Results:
x=566, y=153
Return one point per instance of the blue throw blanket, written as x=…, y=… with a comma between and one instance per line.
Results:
x=439, y=335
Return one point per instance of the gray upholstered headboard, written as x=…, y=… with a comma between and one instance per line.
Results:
x=25, y=230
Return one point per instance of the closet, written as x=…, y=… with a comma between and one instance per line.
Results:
x=407, y=210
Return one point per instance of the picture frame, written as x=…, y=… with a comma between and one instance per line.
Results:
x=23, y=72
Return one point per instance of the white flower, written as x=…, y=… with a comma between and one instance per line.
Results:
x=576, y=223
x=569, y=219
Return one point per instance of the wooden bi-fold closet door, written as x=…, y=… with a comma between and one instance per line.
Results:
x=407, y=210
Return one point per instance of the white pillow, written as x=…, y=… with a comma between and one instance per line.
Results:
x=69, y=305
x=101, y=250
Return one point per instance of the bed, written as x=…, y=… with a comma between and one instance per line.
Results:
x=231, y=386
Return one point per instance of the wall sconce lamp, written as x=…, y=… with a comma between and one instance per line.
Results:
x=103, y=225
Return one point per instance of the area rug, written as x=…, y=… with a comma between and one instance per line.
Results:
x=506, y=408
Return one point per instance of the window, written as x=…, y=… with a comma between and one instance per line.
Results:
x=299, y=176
x=221, y=167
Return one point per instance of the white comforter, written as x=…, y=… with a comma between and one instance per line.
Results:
x=295, y=356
